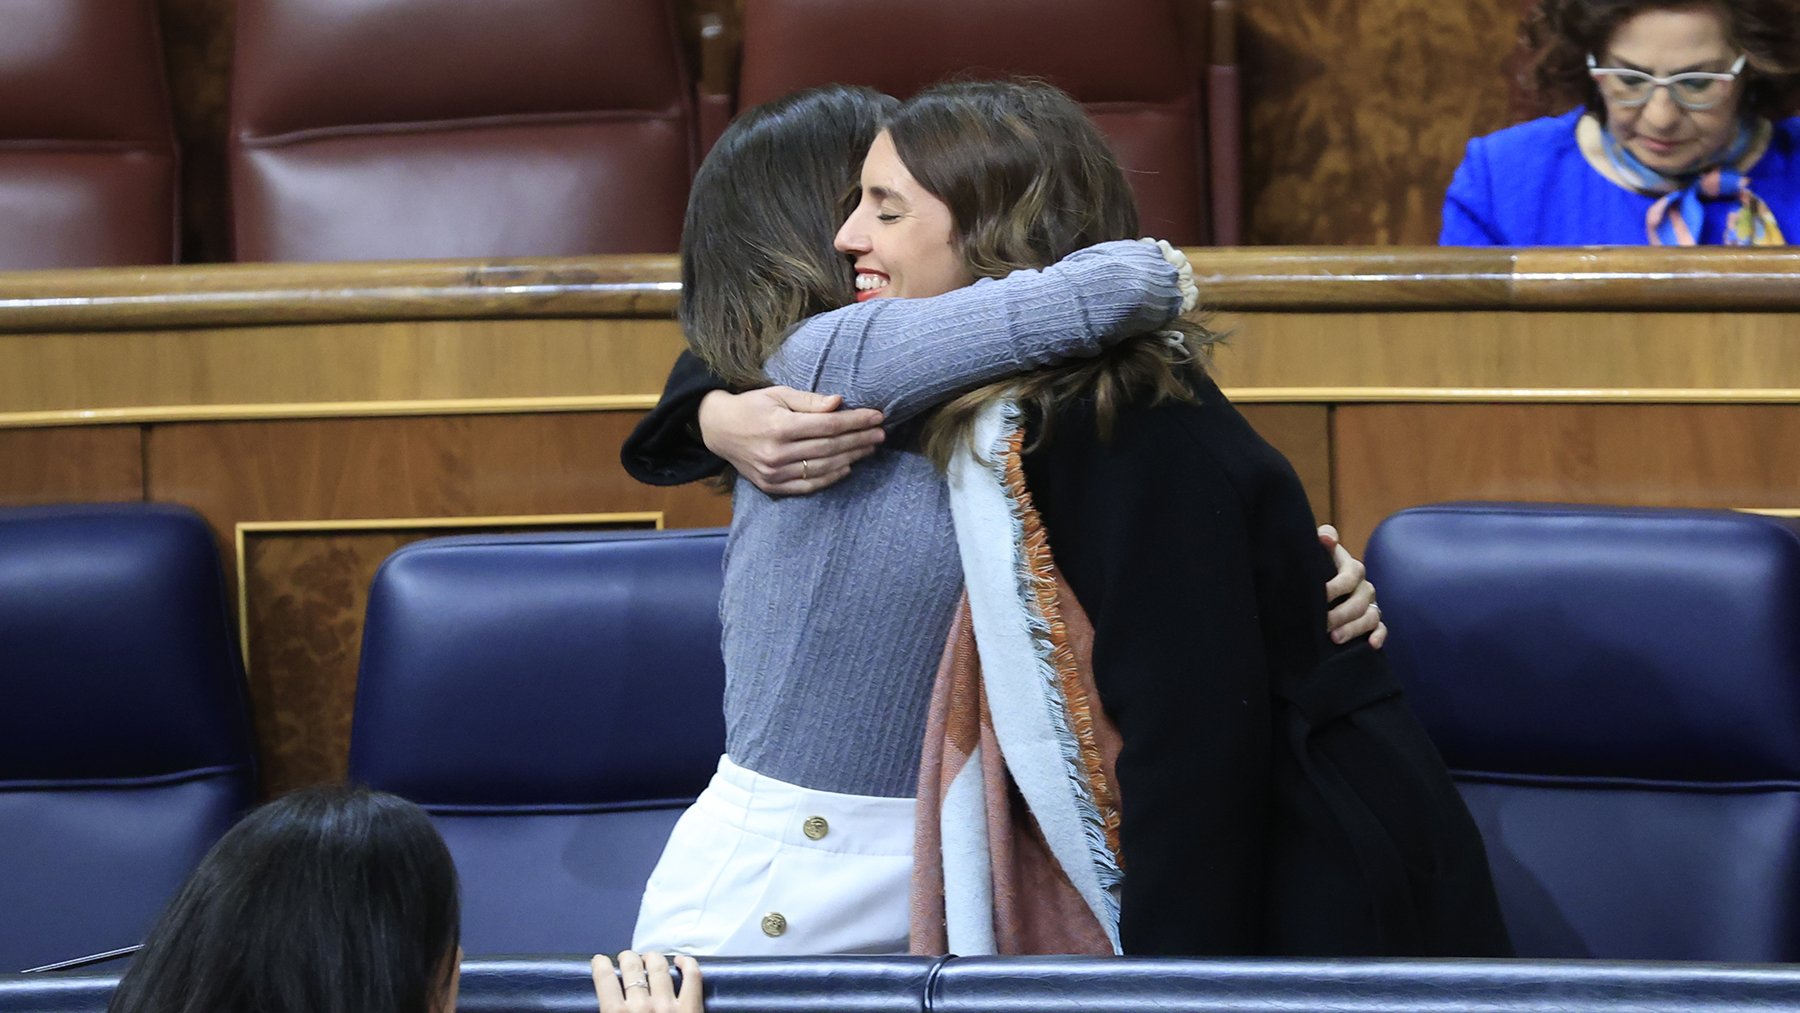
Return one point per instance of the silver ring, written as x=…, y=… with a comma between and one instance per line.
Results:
x=805, y=467
x=643, y=983
x=1374, y=608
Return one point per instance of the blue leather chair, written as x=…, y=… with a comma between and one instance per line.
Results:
x=1618, y=692
x=554, y=702
x=125, y=744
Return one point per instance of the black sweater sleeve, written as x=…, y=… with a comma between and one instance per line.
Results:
x=1152, y=538
x=665, y=448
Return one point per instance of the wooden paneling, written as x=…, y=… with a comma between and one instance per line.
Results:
x=223, y=295
x=359, y=368
x=305, y=590
x=85, y=464
x=1358, y=111
x=1388, y=457
x=1447, y=355
x=246, y=341
x=1303, y=434
x=1291, y=279
x=485, y=465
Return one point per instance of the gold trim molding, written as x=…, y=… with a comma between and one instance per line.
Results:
x=326, y=409
x=645, y=402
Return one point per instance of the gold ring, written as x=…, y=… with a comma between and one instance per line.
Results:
x=805, y=467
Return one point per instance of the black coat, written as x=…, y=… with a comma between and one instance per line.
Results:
x=1277, y=795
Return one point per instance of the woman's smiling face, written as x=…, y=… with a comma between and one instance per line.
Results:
x=1661, y=133
x=901, y=238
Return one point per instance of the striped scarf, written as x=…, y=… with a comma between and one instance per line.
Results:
x=1675, y=218
x=1015, y=718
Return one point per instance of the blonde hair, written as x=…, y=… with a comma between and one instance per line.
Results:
x=1029, y=180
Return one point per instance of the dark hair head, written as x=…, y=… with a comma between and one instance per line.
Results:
x=1026, y=175
x=1561, y=33
x=1029, y=179
x=328, y=900
x=756, y=254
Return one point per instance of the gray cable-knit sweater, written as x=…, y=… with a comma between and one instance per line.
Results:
x=837, y=605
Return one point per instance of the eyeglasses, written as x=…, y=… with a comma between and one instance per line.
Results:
x=1694, y=90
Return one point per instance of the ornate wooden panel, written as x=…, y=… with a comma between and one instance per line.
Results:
x=1358, y=111
x=197, y=45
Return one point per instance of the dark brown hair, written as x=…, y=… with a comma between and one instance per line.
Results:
x=1561, y=33
x=756, y=253
x=329, y=900
x=1028, y=180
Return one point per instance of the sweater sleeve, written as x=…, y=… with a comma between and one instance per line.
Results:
x=1157, y=554
x=1469, y=205
x=665, y=448
x=906, y=355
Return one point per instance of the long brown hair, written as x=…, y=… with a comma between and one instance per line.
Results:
x=1028, y=180
x=756, y=254
x=1561, y=33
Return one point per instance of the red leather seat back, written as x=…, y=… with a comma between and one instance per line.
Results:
x=87, y=144
x=1127, y=62
x=372, y=129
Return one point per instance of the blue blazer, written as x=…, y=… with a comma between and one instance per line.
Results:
x=1529, y=185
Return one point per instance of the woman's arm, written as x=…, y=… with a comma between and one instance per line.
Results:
x=785, y=441
x=664, y=448
x=903, y=356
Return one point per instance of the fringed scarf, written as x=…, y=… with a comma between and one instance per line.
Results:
x=1675, y=218
x=1017, y=847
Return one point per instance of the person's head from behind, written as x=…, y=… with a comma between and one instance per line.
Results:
x=979, y=179
x=1729, y=59
x=756, y=254
x=328, y=900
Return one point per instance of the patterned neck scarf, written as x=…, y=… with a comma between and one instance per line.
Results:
x=1675, y=218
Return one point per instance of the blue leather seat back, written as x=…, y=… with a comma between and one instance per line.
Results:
x=1618, y=691
x=733, y=985
x=125, y=745
x=1162, y=985
x=554, y=701
x=1091, y=985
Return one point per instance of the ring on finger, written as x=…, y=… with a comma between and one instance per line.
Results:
x=805, y=468
x=1373, y=607
x=643, y=983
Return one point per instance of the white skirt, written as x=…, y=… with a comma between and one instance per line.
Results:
x=761, y=867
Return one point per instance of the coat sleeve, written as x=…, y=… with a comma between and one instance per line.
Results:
x=1157, y=554
x=1469, y=205
x=904, y=356
x=665, y=447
